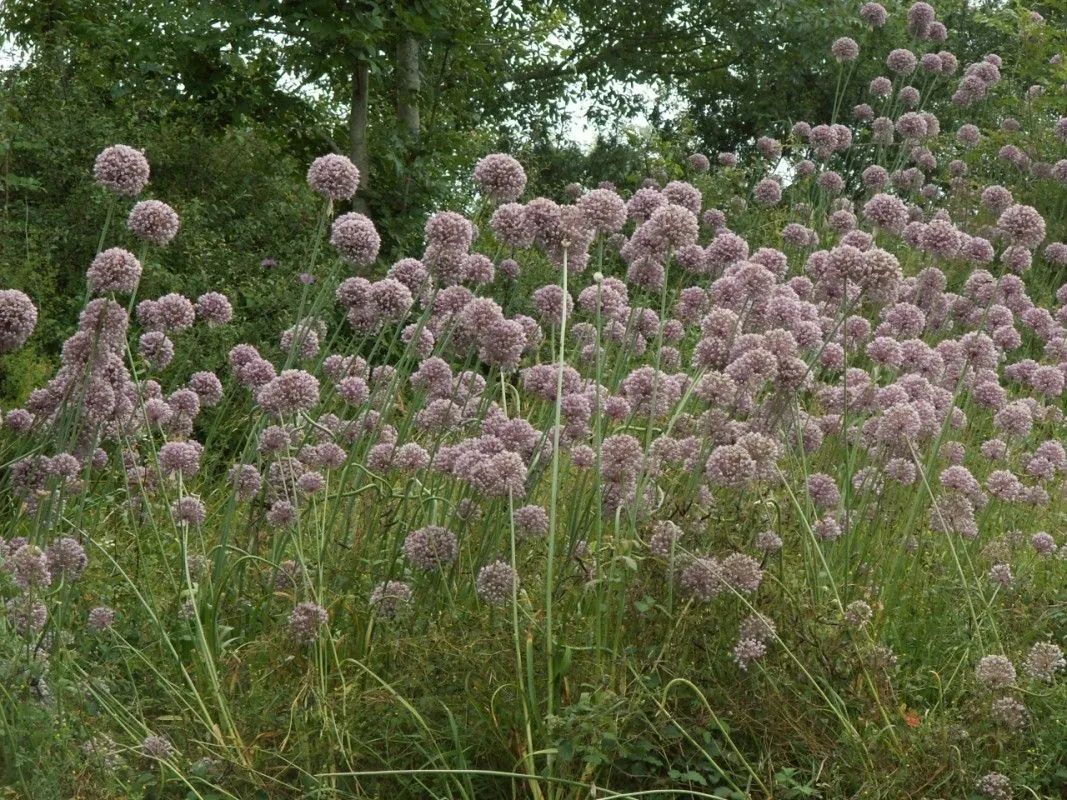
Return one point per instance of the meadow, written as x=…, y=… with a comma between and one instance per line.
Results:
x=743, y=482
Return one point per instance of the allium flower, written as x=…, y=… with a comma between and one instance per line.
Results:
x=157, y=748
x=66, y=558
x=292, y=390
x=121, y=169
x=512, y=227
x=1043, y=661
x=180, y=457
x=1001, y=574
x=768, y=542
x=306, y=621
x=741, y=572
x=1009, y=713
x=355, y=239
x=174, y=312
x=901, y=61
x=189, y=510
x=845, y=49
x=431, y=548
x=603, y=209
x=389, y=597
x=246, y=480
x=207, y=387
x=748, y=650
x=702, y=578
x=156, y=349
x=26, y=615
x=768, y=192
x=886, y=212
x=1022, y=225
x=113, y=270
x=995, y=672
x=730, y=466
x=29, y=567
x=18, y=318
x=995, y=786
x=333, y=176
x=531, y=520
x=101, y=618
x=451, y=231
x=496, y=582
x=874, y=14
x=214, y=308
x=698, y=162
x=858, y=613
x=154, y=221
x=500, y=176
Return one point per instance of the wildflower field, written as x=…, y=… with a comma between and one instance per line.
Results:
x=745, y=479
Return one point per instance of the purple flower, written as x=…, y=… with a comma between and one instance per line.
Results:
x=114, y=270
x=101, y=618
x=121, y=169
x=355, y=238
x=500, y=177
x=306, y=621
x=333, y=176
x=431, y=548
x=214, y=308
x=845, y=49
x=154, y=221
x=496, y=583
x=18, y=318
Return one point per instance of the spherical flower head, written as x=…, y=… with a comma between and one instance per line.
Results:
x=901, y=61
x=830, y=182
x=702, y=579
x=156, y=349
x=174, y=312
x=770, y=148
x=180, y=457
x=510, y=224
x=207, y=387
x=497, y=582
x=684, y=194
x=355, y=238
x=741, y=572
x=333, y=176
x=122, y=169
x=886, y=212
x=881, y=86
x=154, y=221
x=306, y=622
x=604, y=210
x=728, y=159
x=292, y=390
x=768, y=192
x=500, y=177
x=114, y=270
x=391, y=299
x=698, y=162
x=431, y=548
x=911, y=125
x=995, y=672
x=189, y=510
x=66, y=558
x=390, y=597
x=1043, y=661
x=157, y=748
x=995, y=786
x=1060, y=128
x=451, y=231
x=920, y=17
x=101, y=618
x=1022, y=225
x=874, y=14
x=18, y=318
x=845, y=49
x=29, y=567
x=214, y=308
x=858, y=613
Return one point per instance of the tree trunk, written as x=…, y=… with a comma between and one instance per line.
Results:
x=408, y=83
x=357, y=128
